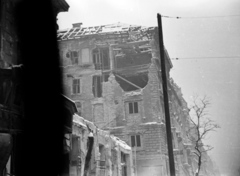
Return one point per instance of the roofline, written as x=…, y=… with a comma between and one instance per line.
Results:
x=120, y=29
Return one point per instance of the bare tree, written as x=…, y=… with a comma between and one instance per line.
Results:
x=200, y=127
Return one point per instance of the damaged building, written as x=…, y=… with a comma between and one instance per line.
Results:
x=113, y=74
x=95, y=152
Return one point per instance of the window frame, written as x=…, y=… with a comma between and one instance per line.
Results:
x=97, y=86
x=101, y=59
x=97, y=59
x=79, y=86
x=136, y=141
x=74, y=59
x=133, y=107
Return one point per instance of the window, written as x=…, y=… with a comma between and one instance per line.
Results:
x=101, y=59
x=75, y=144
x=136, y=141
x=123, y=164
x=76, y=86
x=97, y=86
x=133, y=107
x=97, y=59
x=74, y=57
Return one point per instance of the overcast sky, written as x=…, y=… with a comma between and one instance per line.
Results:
x=208, y=50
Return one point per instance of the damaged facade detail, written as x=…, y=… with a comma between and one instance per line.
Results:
x=97, y=152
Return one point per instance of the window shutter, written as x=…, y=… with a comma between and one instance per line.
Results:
x=135, y=107
x=138, y=141
x=130, y=108
x=74, y=86
x=78, y=86
x=132, y=141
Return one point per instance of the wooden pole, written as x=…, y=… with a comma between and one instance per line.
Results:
x=165, y=96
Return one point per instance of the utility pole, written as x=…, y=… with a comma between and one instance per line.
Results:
x=165, y=97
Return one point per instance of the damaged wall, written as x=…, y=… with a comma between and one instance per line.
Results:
x=150, y=155
x=99, y=152
x=133, y=59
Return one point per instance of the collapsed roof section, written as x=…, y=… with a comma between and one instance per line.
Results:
x=132, y=82
x=117, y=30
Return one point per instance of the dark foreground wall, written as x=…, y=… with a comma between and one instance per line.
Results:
x=40, y=147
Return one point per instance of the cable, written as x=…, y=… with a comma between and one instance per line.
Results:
x=177, y=17
x=222, y=57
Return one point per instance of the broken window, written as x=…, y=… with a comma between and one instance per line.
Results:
x=97, y=86
x=101, y=59
x=133, y=107
x=136, y=141
x=76, y=86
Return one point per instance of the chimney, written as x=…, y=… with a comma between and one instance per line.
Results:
x=76, y=25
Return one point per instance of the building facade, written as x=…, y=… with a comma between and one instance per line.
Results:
x=113, y=74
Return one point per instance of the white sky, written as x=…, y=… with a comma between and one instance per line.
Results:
x=219, y=78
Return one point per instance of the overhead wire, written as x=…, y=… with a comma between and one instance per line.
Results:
x=202, y=17
x=216, y=57
x=199, y=17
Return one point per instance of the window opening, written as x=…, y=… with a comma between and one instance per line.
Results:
x=133, y=107
x=136, y=141
x=74, y=57
x=101, y=59
x=76, y=86
x=124, y=164
x=97, y=86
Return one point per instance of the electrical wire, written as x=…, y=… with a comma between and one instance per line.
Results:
x=217, y=57
x=177, y=17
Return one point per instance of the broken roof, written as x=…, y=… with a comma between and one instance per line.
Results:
x=117, y=29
